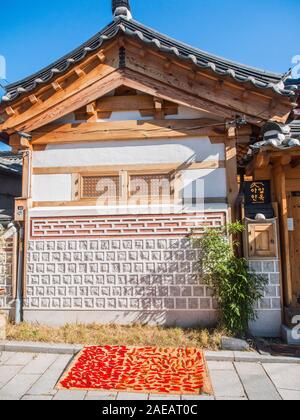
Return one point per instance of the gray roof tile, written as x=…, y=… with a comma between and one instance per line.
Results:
x=221, y=67
x=11, y=163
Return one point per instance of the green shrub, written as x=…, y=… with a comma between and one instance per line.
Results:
x=234, y=285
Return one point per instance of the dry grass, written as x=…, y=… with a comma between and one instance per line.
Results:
x=136, y=335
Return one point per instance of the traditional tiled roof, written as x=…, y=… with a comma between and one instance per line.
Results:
x=11, y=163
x=123, y=25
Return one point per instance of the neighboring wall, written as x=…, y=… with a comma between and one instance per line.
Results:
x=6, y=273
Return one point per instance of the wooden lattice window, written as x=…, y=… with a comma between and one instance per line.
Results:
x=102, y=187
x=154, y=186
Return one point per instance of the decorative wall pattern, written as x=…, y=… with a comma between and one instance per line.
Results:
x=269, y=269
x=115, y=274
x=6, y=256
x=125, y=226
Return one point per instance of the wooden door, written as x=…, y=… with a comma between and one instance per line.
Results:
x=262, y=240
x=294, y=235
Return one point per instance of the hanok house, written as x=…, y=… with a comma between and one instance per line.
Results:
x=103, y=131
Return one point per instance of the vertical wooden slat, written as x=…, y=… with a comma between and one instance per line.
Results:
x=231, y=174
x=280, y=185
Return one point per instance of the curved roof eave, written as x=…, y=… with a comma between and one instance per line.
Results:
x=221, y=67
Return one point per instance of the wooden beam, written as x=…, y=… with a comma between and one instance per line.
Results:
x=56, y=86
x=280, y=186
x=64, y=102
x=101, y=56
x=146, y=168
x=158, y=105
x=231, y=173
x=161, y=90
x=256, y=107
x=33, y=99
x=262, y=160
x=10, y=111
x=123, y=130
x=26, y=174
x=79, y=72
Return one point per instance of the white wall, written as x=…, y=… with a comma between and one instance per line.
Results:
x=209, y=183
x=52, y=187
x=129, y=152
x=134, y=152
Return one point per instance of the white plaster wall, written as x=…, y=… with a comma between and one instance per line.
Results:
x=184, y=113
x=202, y=183
x=129, y=152
x=52, y=187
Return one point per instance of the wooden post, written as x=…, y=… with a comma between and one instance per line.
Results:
x=231, y=174
x=280, y=186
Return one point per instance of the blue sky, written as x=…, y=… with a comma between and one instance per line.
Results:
x=262, y=33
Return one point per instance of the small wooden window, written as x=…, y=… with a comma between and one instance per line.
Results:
x=100, y=187
x=153, y=186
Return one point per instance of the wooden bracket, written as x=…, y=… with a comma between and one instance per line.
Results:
x=56, y=86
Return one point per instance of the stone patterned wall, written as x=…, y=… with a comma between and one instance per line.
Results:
x=147, y=274
x=271, y=271
x=6, y=257
x=142, y=263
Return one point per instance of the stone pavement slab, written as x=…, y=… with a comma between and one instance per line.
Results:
x=284, y=376
x=197, y=398
x=226, y=384
x=70, y=395
x=17, y=387
x=220, y=366
x=39, y=364
x=7, y=373
x=37, y=397
x=157, y=397
x=20, y=359
x=49, y=379
x=4, y=356
x=287, y=395
x=101, y=396
x=123, y=396
x=256, y=382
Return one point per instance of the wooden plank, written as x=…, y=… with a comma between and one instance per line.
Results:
x=123, y=130
x=96, y=202
x=229, y=97
x=280, y=186
x=151, y=168
x=181, y=97
x=231, y=173
x=78, y=94
x=295, y=250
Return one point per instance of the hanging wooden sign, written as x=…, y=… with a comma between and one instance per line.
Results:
x=257, y=192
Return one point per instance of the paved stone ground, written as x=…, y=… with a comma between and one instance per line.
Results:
x=27, y=376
